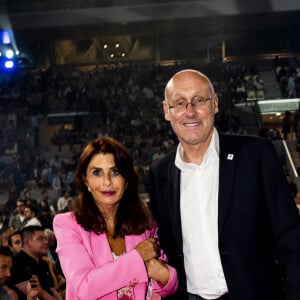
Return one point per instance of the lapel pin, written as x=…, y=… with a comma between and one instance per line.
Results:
x=230, y=156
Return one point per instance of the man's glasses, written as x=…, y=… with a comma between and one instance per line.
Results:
x=197, y=103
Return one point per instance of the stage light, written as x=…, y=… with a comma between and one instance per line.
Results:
x=6, y=37
x=9, y=64
x=9, y=53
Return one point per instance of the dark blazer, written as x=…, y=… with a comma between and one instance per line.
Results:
x=258, y=223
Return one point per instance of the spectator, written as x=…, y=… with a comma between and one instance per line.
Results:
x=18, y=220
x=6, y=293
x=62, y=202
x=31, y=216
x=4, y=222
x=28, y=199
x=297, y=201
x=286, y=125
x=29, y=262
x=15, y=242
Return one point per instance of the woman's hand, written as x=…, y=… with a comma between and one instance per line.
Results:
x=157, y=271
x=148, y=249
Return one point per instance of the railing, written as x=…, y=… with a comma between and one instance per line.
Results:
x=18, y=6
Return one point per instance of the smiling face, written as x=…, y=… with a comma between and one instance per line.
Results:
x=104, y=181
x=193, y=126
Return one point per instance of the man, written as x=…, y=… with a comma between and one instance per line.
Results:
x=5, y=265
x=31, y=213
x=29, y=262
x=28, y=199
x=15, y=242
x=4, y=221
x=18, y=220
x=224, y=210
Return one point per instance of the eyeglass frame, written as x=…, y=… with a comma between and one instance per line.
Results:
x=203, y=100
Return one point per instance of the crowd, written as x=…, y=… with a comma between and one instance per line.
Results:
x=287, y=72
x=128, y=100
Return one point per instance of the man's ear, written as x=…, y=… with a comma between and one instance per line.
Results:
x=216, y=103
x=166, y=110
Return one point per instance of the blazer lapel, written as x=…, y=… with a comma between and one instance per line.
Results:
x=227, y=170
x=174, y=192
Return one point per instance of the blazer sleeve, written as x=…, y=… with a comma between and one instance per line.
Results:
x=86, y=279
x=172, y=284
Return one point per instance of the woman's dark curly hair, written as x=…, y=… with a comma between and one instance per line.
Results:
x=133, y=215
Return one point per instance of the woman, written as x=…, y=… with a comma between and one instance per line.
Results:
x=107, y=246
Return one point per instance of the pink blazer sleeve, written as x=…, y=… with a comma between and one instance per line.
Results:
x=171, y=286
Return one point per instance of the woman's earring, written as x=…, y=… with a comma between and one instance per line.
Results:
x=88, y=188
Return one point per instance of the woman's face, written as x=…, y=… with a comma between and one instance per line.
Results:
x=104, y=181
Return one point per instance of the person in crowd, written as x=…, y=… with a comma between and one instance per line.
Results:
x=30, y=262
x=31, y=216
x=6, y=293
x=45, y=217
x=28, y=199
x=17, y=221
x=4, y=221
x=297, y=201
x=53, y=261
x=286, y=125
x=46, y=201
x=4, y=235
x=292, y=185
x=55, y=162
x=227, y=220
x=112, y=231
x=58, y=183
x=63, y=201
x=13, y=193
x=15, y=242
x=47, y=175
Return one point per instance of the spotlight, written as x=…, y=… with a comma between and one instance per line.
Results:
x=9, y=64
x=9, y=53
x=6, y=37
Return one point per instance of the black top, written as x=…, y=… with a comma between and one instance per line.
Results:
x=24, y=266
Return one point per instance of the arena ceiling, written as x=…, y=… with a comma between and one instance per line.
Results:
x=154, y=29
x=56, y=13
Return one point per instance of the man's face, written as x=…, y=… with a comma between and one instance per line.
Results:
x=192, y=126
x=16, y=243
x=37, y=245
x=5, y=266
x=20, y=207
x=28, y=213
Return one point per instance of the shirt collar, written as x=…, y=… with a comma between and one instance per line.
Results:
x=213, y=147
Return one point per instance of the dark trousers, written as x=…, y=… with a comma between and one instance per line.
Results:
x=197, y=297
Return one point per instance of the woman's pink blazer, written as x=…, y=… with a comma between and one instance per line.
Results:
x=90, y=269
